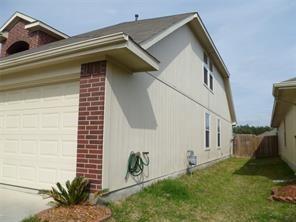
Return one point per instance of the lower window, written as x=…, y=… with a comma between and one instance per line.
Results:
x=207, y=130
x=218, y=133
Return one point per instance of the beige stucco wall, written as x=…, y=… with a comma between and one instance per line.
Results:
x=288, y=151
x=163, y=113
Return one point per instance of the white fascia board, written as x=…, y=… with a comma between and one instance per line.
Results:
x=143, y=54
x=81, y=48
x=275, y=91
x=150, y=42
x=17, y=15
x=282, y=86
x=272, y=124
x=200, y=22
x=64, y=50
x=226, y=74
x=41, y=25
x=230, y=101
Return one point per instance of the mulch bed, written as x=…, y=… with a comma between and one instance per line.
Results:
x=77, y=213
x=285, y=193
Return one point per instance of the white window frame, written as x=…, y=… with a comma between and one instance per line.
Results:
x=209, y=74
x=203, y=75
x=219, y=133
x=205, y=129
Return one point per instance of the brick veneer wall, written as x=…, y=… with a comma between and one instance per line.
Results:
x=91, y=123
x=19, y=33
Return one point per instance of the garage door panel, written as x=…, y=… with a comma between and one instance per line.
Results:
x=69, y=118
x=38, y=133
x=50, y=120
x=68, y=149
x=10, y=171
x=1, y=121
x=30, y=120
x=49, y=148
x=10, y=146
x=12, y=121
x=64, y=175
x=29, y=147
x=28, y=173
x=47, y=175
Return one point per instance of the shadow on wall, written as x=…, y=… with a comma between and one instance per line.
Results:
x=132, y=96
x=131, y=90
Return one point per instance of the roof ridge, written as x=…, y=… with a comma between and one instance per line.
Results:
x=24, y=15
x=161, y=17
x=139, y=31
x=130, y=22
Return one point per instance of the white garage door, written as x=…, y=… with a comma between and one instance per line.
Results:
x=38, y=133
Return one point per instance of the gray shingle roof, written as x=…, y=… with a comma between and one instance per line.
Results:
x=139, y=31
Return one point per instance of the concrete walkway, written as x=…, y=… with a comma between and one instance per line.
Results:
x=15, y=204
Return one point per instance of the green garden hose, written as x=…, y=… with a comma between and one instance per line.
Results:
x=136, y=163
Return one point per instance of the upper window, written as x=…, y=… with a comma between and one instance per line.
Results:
x=219, y=133
x=211, y=82
x=207, y=130
x=208, y=72
x=206, y=76
x=17, y=47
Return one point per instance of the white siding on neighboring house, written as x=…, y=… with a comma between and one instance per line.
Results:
x=287, y=146
x=163, y=112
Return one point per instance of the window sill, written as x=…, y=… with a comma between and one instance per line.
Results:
x=207, y=149
x=205, y=85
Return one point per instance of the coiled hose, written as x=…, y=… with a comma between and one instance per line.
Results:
x=136, y=163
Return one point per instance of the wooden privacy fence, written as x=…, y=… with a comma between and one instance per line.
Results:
x=245, y=145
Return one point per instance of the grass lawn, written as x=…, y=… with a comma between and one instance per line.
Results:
x=232, y=190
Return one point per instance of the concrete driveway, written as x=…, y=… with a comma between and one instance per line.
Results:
x=16, y=204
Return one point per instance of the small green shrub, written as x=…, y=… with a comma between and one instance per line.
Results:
x=32, y=219
x=170, y=189
x=76, y=192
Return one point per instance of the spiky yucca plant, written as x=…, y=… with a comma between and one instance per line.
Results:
x=76, y=192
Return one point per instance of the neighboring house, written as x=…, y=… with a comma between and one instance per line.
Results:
x=79, y=105
x=284, y=118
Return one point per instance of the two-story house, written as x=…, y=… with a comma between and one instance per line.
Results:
x=80, y=105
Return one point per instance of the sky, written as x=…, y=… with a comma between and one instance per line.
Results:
x=256, y=38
